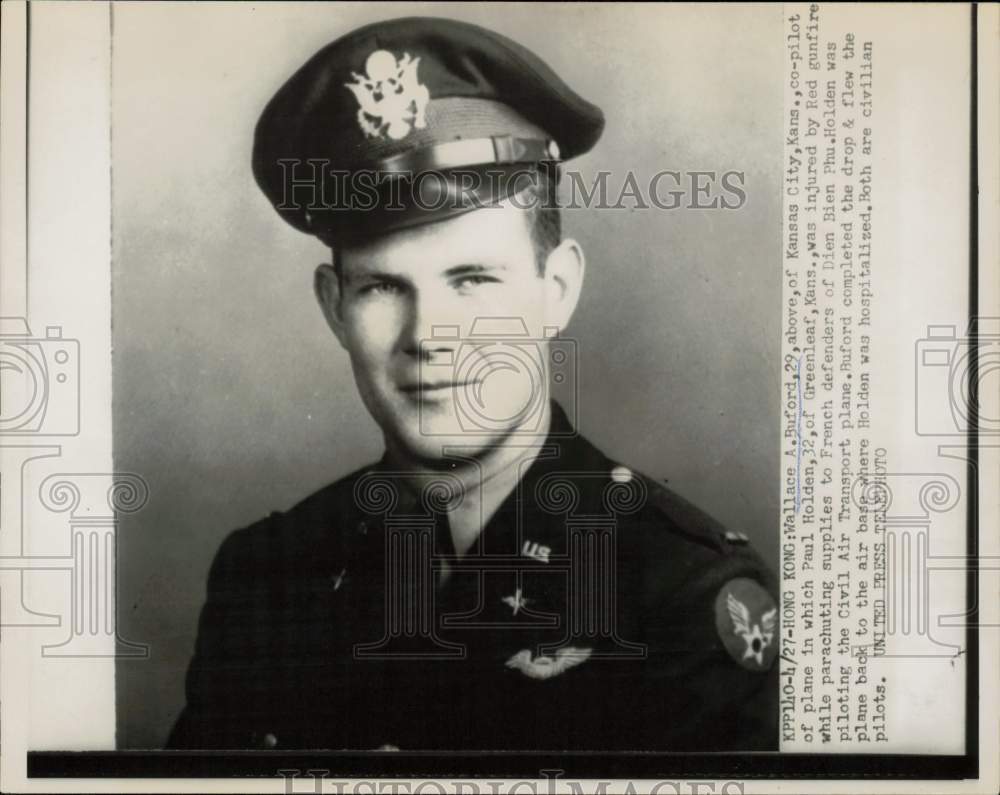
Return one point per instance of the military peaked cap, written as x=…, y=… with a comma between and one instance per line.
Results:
x=345, y=148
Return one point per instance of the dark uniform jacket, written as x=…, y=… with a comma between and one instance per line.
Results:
x=598, y=611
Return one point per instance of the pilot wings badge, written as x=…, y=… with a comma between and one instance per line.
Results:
x=390, y=97
x=747, y=619
x=545, y=667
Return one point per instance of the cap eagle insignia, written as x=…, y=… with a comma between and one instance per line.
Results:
x=390, y=97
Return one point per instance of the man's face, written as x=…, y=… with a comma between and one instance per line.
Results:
x=446, y=325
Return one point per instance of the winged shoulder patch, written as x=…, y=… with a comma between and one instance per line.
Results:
x=746, y=618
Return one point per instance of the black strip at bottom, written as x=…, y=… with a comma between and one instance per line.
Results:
x=375, y=764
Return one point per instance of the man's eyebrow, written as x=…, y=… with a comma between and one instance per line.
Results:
x=374, y=275
x=370, y=273
x=472, y=268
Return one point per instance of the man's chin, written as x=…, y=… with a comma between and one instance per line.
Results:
x=434, y=435
x=438, y=448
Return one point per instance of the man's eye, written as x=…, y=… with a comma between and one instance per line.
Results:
x=474, y=280
x=380, y=288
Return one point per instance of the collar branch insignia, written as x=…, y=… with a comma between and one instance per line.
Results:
x=516, y=601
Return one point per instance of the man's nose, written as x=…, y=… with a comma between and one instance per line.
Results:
x=433, y=328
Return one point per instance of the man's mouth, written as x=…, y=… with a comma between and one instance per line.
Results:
x=432, y=387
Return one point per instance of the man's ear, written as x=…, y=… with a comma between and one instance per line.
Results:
x=326, y=285
x=564, y=270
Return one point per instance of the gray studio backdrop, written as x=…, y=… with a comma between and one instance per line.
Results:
x=231, y=397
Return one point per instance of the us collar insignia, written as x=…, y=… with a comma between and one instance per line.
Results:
x=747, y=622
x=536, y=551
x=391, y=98
x=544, y=667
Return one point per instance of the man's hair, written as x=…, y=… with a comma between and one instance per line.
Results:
x=540, y=201
x=544, y=221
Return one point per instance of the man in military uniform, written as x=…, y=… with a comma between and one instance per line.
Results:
x=495, y=581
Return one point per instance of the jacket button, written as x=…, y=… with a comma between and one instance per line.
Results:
x=621, y=474
x=270, y=741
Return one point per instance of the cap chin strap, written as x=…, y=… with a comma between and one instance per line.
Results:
x=500, y=149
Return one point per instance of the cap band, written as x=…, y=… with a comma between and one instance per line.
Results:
x=501, y=149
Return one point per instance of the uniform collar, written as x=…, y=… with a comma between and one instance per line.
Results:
x=567, y=466
x=556, y=487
